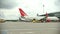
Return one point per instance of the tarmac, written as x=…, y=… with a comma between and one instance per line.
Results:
x=29, y=28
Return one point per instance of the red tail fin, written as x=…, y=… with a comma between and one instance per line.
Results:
x=22, y=12
x=46, y=14
x=47, y=19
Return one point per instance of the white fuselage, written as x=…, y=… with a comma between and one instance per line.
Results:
x=30, y=18
x=53, y=18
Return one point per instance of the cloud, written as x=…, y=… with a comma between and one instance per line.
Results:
x=8, y=4
x=57, y=3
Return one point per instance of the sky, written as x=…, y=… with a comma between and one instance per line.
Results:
x=10, y=8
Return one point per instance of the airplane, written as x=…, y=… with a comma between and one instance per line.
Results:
x=25, y=17
x=51, y=16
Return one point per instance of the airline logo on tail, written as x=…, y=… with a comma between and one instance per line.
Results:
x=22, y=12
